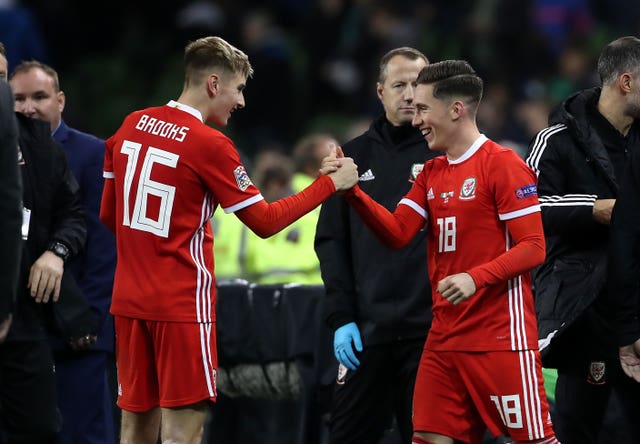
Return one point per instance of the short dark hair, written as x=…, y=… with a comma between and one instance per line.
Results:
x=404, y=51
x=452, y=79
x=620, y=56
x=2, y=50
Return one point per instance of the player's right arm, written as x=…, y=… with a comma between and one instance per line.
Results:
x=393, y=229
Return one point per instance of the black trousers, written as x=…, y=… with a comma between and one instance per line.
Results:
x=380, y=390
x=28, y=412
x=591, y=411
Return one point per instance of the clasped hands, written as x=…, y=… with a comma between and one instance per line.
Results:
x=342, y=170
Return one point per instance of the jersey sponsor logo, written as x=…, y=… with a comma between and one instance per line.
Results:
x=597, y=373
x=468, y=189
x=526, y=191
x=416, y=169
x=342, y=374
x=367, y=175
x=242, y=178
x=430, y=194
x=446, y=195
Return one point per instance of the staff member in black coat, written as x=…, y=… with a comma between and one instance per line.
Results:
x=10, y=208
x=54, y=229
x=624, y=268
x=579, y=160
x=378, y=300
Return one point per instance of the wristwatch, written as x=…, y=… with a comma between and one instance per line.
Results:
x=59, y=249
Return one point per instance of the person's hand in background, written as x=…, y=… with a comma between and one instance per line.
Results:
x=344, y=339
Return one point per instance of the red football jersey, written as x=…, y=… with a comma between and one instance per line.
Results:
x=170, y=172
x=467, y=203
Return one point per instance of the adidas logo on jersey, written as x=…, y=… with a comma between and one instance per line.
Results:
x=430, y=194
x=367, y=175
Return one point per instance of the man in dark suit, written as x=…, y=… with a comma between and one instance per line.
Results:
x=10, y=208
x=84, y=395
x=52, y=217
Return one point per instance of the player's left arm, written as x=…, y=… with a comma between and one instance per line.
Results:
x=266, y=219
x=516, y=198
x=528, y=252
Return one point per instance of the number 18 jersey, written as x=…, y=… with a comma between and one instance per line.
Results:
x=467, y=203
x=170, y=172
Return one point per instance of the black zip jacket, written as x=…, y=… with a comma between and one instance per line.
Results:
x=51, y=193
x=578, y=159
x=386, y=292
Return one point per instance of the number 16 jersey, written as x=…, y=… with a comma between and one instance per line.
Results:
x=170, y=172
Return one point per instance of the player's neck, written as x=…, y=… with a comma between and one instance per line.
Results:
x=461, y=141
x=193, y=100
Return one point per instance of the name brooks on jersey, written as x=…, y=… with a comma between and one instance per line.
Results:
x=161, y=128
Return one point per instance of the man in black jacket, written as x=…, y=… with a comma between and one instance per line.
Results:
x=378, y=300
x=10, y=208
x=86, y=406
x=624, y=266
x=579, y=160
x=54, y=230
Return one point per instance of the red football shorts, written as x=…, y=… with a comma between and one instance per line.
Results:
x=461, y=394
x=166, y=364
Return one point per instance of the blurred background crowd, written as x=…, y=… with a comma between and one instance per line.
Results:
x=315, y=60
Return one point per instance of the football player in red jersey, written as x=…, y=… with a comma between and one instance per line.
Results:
x=166, y=172
x=480, y=367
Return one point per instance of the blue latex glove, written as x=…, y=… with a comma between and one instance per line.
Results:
x=342, y=349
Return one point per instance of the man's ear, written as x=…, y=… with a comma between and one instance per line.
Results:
x=62, y=100
x=379, y=90
x=456, y=109
x=625, y=82
x=213, y=82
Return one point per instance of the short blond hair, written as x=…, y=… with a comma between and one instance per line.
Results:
x=207, y=53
